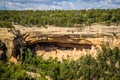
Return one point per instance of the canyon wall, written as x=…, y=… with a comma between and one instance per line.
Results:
x=77, y=39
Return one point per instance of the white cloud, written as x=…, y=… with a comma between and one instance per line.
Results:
x=57, y=5
x=30, y=6
x=65, y=5
x=78, y=4
x=117, y=0
x=106, y=4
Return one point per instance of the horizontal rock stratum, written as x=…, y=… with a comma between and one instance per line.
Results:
x=78, y=38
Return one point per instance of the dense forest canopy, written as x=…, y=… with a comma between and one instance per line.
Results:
x=106, y=66
x=63, y=18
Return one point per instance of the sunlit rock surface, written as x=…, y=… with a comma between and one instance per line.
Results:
x=64, y=42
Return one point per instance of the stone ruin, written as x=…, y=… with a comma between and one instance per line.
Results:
x=63, y=43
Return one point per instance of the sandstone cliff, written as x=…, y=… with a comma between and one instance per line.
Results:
x=73, y=38
x=7, y=38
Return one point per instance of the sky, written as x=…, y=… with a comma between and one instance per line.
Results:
x=58, y=4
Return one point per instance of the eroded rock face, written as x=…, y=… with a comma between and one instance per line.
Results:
x=7, y=38
x=71, y=40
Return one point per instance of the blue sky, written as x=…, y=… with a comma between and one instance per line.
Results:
x=57, y=4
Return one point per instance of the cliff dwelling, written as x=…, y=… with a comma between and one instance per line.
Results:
x=59, y=42
x=60, y=50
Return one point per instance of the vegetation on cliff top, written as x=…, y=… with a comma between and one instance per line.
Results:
x=69, y=18
x=106, y=66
